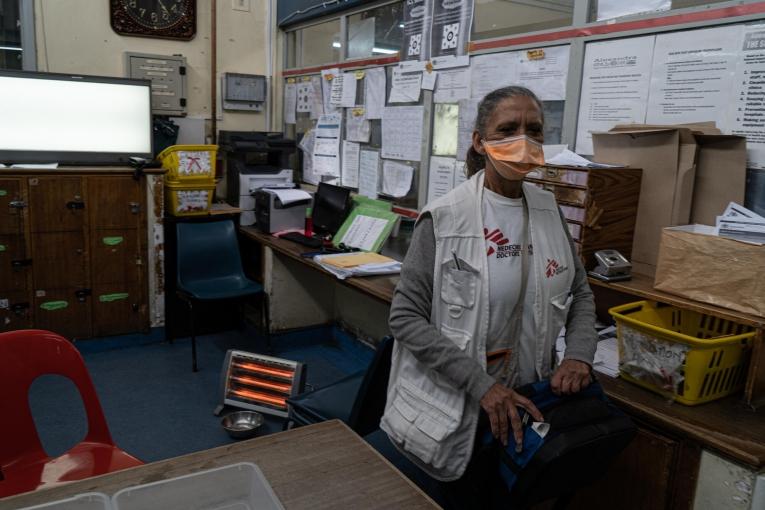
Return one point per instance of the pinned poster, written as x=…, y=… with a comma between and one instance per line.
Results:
x=369, y=173
x=460, y=174
x=304, y=97
x=357, y=127
x=453, y=85
x=405, y=87
x=692, y=75
x=374, y=92
x=465, y=125
x=317, y=98
x=615, y=85
x=326, y=149
x=343, y=92
x=747, y=115
x=450, y=31
x=328, y=76
x=544, y=71
x=350, y=171
x=492, y=71
x=397, y=179
x=290, y=100
x=440, y=177
x=402, y=132
x=417, y=21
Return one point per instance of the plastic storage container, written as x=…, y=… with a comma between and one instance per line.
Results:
x=235, y=487
x=87, y=501
x=189, y=163
x=182, y=199
x=690, y=356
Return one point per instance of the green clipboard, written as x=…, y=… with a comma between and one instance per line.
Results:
x=372, y=216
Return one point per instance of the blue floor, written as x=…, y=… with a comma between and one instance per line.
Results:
x=156, y=407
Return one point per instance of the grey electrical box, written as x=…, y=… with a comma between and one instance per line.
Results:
x=244, y=92
x=168, y=80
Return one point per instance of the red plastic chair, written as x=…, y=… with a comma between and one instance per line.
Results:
x=24, y=465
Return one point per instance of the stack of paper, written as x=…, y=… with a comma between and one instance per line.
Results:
x=740, y=223
x=345, y=265
x=567, y=158
x=606, y=356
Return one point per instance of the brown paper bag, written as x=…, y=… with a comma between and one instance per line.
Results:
x=698, y=265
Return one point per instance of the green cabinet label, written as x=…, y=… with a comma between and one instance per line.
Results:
x=117, y=296
x=112, y=241
x=54, y=305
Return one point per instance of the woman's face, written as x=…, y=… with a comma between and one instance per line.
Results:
x=513, y=116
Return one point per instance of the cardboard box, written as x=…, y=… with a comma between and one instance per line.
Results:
x=696, y=264
x=690, y=173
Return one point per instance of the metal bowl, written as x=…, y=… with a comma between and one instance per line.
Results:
x=242, y=424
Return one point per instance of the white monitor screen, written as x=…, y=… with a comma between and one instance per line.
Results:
x=46, y=116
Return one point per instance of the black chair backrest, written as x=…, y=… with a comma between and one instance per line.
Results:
x=369, y=405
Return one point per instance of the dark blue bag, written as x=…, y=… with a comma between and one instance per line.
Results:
x=586, y=432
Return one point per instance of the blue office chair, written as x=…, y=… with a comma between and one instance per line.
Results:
x=210, y=269
x=358, y=399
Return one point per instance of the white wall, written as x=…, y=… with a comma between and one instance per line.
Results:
x=75, y=36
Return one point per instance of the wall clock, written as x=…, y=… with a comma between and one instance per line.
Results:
x=169, y=19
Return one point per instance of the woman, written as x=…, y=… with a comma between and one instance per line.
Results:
x=490, y=279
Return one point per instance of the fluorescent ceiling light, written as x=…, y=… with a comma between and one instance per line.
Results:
x=384, y=51
x=10, y=48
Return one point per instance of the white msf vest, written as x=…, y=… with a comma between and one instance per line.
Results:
x=430, y=421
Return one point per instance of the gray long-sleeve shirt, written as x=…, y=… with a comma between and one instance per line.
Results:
x=411, y=326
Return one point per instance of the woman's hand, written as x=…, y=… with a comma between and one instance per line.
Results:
x=571, y=376
x=500, y=403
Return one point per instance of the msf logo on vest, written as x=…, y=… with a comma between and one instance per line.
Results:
x=554, y=268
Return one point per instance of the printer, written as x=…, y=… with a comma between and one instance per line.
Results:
x=254, y=160
x=274, y=212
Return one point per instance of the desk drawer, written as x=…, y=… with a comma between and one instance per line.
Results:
x=576, y=231
x=573, y=213
x=561, y=175
x=564, y=193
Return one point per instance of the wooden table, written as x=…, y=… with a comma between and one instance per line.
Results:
x=323, y=466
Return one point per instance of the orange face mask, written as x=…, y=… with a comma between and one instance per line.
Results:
x=515, y=156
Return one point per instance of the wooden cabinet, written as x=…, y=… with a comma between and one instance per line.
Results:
x=600, y=205
x=73, y=252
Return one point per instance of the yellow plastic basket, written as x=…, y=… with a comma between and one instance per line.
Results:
x=690, y=356
x=182, y=199
x=189, y=163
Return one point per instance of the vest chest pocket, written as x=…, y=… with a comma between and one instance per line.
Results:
x=459, y=286
x=560, y=305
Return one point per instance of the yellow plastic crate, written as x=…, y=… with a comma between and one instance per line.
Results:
x=189, y=163
x=182, y=199
x=689, y=356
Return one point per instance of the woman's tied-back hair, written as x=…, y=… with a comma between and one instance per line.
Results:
x=474, y=161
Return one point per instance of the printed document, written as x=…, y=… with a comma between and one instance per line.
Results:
x=402, y=132
x=440, y=177
x=369, y=169
x=453, y=85
x=544, y=71
x=747, y=111
x=492, y=71
x=374, y=92
x=350, y=172
x=397, y=179
x=406, y=86
x=290, y=100
x=614, y=86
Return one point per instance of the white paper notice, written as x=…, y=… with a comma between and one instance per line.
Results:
x=492, y=71
x=364, y=231
x=357, y=127
x=614, y=86
x=304, y=97
x=544, y=71
x=692, y=75
x=453, y=85
x=328, y=76
x=459, y=173
x=406, y=87
x=317, y=98
x=350, y=173
x=397, y=179
x=290, y=100
x=344, y=90
x=747, y=113
x=465, y=125
x=308, y=174
x=374, y=92
x=429, y=80
x=326, y=149
x=402, y=132
x=369, y=170
x=440, y=177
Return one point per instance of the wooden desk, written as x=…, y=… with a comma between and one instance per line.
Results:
x=379, y=287
x=642, y=286
x=323, y=466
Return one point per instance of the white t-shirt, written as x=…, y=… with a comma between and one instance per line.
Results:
x=505, y=230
